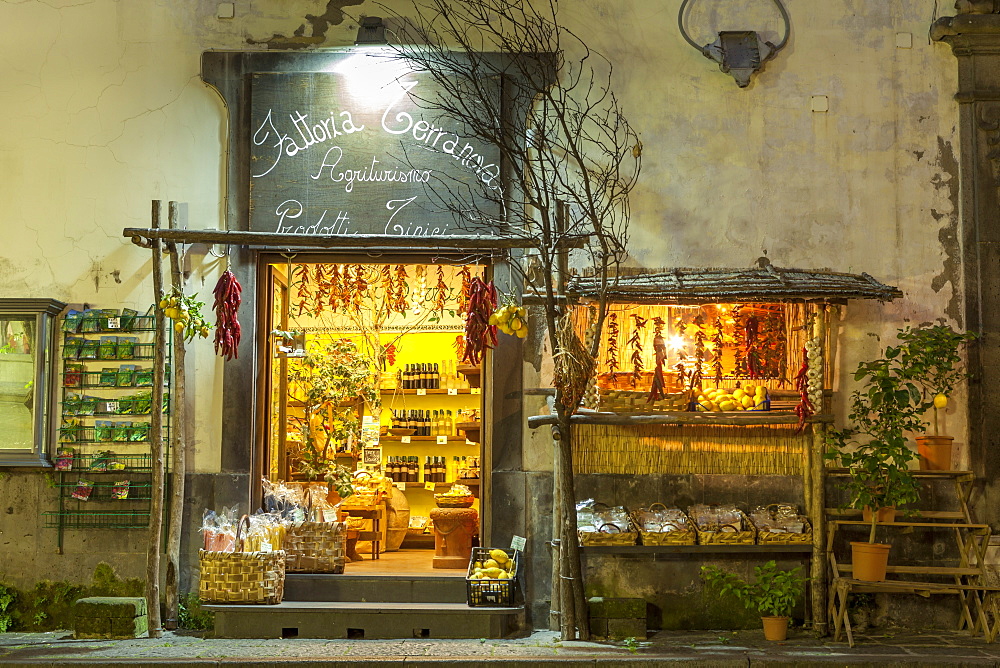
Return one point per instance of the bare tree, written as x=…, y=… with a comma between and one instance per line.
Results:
x=514, y=78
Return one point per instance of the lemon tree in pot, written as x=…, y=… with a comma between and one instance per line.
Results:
x=773, y=593
x=874, y=450
x=932, y=357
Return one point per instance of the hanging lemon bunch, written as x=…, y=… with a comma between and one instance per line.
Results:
x=186, y=314
x=511, y=319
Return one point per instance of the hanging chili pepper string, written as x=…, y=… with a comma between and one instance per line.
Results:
x=752, y=326
x=227, y=304
x=480, y=335
x=613, y=345
x=805, y=408
x=636, y=343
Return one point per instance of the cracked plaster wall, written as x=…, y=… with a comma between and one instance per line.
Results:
x=102, y=110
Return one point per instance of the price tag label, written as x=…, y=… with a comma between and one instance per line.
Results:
x=421, y=391
x=442, y=440
x=112, y=406
x=452, y=391
x=265, y=547
x=400, y=486
x=517, y=543
x=429, y=486
x=114, y=323
x=404, y=439
x=475, y=390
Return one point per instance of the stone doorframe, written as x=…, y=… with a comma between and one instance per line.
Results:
x=974, y=36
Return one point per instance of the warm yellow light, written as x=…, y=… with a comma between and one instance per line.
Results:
x=676, y=342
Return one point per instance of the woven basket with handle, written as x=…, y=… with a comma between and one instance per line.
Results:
x=667, y=536
x=242, y=577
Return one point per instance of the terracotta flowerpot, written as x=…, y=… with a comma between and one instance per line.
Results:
x=775, y=628
x=885, y=514
x=935, y=452
x=333, y=496
x=869, y=561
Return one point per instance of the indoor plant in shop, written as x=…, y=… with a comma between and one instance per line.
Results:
x=773, y=593
x=874, y=450
x=330, y=383
x=931, y=356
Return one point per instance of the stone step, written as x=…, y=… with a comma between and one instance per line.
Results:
x=353, y=620
x=375, y=588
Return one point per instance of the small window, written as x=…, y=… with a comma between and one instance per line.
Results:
x=27, y=366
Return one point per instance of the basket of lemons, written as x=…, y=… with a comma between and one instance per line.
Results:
x=459, y=496
x=492, y=577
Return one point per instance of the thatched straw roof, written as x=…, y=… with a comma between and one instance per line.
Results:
x=765, y=283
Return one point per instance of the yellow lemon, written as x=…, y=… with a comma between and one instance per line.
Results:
x=747, y=401
x=727, y=405
x=521, y=333
x=739, y=394
x=940, y=401
x=761, y=391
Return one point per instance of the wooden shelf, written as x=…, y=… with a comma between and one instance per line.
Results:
x=695, y=549
x=436, y=391
x=457, y=440
x=736, y=418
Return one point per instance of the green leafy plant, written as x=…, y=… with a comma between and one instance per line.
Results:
x=631, y=644
x=7, y=597
x=328, y=383
x=932, y=357
x=192, y=616
x=773, y=592
x=888, y=406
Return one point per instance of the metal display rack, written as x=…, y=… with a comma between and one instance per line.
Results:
x=104, y=418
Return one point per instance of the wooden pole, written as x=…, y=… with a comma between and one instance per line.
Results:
x=156, y=443
x=178, y=443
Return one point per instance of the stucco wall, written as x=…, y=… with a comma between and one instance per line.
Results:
x=103, y=110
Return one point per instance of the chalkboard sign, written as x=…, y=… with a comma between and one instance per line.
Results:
x=352, y=151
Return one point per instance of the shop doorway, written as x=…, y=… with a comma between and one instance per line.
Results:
x=365, y=385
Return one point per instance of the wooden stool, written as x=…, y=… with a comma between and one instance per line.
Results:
x=454, y=529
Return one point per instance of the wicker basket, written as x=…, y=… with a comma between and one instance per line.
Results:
x=745, y=537
x=766, y=537
x=674, y=537
x=607, y=535
x=242, y=577
x=316, y=547
x=445, y=501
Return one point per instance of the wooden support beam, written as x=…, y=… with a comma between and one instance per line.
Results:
x=282, y=241
x=739, y=418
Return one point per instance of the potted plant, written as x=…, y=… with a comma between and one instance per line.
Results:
x=330, y=385
x=874, y=450
x=773, y=593
x=931, y=356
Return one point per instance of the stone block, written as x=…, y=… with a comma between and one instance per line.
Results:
x=619, y=629
x=92, y=627
x=110, y=606
x=617, y=608
x=129, y=628
x=598, y=627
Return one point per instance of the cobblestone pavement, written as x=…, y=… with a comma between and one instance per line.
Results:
x=697, y=648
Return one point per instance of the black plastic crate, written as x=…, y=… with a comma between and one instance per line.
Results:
x=491, y=592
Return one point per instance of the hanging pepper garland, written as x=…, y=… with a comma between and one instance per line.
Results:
x=301, y=278
x=335, y=288
x=805, y=408
x=751, y=327
x=440, y=291
x=613, y=345
x=463, y=297
x=636, y=343
x=480, y=335
x=718, y=341
x=227, y=303
x=699, y=353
